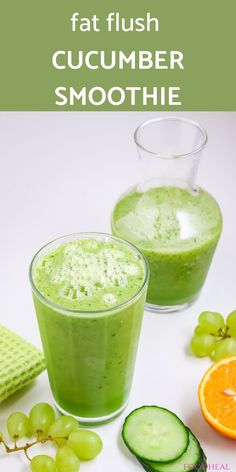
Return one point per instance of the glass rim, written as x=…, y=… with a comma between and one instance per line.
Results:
x=87, y=235
x=165, y=119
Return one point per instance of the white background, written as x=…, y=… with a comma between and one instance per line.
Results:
x=62, y=173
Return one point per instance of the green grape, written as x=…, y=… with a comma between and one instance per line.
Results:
x=66, y=460
x=231, y=323
x=62, y=427
x=1, y=437
x=224, y=348
x=232, y=333
x=18, y=425
x=43, y=463
x=41, y=417
x=211, y=322
x=86, y=444
x=202, y=344
x=199, y=330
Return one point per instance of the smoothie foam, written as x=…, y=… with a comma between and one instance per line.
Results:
x=89, y=275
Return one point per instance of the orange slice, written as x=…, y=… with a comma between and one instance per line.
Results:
x=217, y=396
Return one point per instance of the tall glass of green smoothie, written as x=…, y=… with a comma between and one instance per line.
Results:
x=89, y=291
x=175, y=223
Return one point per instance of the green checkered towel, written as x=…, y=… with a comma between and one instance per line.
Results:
x=20, y=362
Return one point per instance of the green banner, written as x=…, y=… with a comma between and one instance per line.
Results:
x=117, y=55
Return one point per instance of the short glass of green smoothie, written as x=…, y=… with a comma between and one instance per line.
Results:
x=175, y=223
x=89, y=291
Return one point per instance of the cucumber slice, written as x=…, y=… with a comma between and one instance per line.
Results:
x=190, y=459
x=145, y=466
x=155, y=434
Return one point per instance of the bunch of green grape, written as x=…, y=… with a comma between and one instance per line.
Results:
x=213, y=336
x=74, y=444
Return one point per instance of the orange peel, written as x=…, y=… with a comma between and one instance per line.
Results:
x=217, y=396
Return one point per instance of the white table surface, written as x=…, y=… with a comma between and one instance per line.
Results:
x=62, y=173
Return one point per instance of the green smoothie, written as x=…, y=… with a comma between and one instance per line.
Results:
x=89, y=293
x=177, y=230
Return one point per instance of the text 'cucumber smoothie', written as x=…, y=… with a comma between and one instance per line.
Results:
x=175, y=224
x=89, y=292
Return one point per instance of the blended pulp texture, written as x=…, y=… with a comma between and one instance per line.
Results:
x=178, y=231
x=90, y=355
